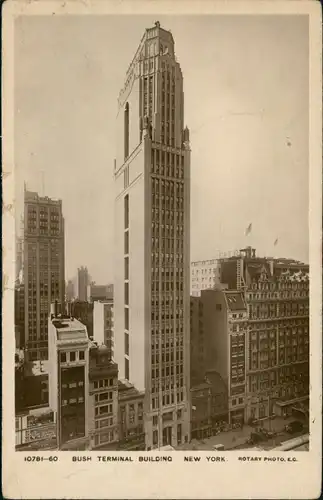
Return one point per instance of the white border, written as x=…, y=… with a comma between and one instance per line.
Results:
x=232, y=479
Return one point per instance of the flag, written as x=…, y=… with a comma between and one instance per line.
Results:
x=249, y=229
x=275, y=242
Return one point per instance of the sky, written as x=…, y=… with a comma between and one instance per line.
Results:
x=246, y=104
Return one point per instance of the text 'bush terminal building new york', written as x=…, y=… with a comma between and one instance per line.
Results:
x=152, y=253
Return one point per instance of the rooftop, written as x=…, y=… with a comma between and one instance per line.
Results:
x=235, y=301
x=36, y=368
x=69, y=329
x=128, y=390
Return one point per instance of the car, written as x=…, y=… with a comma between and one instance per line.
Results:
x=294, y=426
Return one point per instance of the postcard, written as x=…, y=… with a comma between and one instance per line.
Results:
x=162, y=257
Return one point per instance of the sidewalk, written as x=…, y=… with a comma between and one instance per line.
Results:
x=229, y=439
x=237, y=438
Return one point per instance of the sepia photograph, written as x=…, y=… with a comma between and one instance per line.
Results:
x=162, y=260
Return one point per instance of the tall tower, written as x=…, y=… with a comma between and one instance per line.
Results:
x=83, y=282
x=43, y=269
x=152, y=259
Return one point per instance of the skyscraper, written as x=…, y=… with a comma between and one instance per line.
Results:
x=82, y=283
x=43, y=269
x=152, y=259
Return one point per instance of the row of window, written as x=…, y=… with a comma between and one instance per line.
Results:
x=168, y=202
x=103, y=410
x=161, y=258
x=166, y=400
x=105, y=422
x=72, y=356
x=72, y=401
x=103, y=396
x=166, y=341
x=99, y=384
x=166, y=372
x=167, y=216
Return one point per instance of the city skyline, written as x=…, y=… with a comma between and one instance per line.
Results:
x=257, y=119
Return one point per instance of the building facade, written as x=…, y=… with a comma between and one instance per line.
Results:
x=209, y=406
x=277, y=342
x=100, y=292
x=205, y=274
x=43, y=269
x=36, y=430
x=83, y=280
x=103, y=399
x=83, y=311
x=103, y=324
x=70, y=291
x=152, y=264
x=20, y=315
x=225, y=326
x=130, y=418
x=68, y=381
x=198, y=346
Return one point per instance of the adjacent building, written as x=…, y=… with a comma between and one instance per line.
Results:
x=20, y=315
x=68, y=380
x=277, y=341
x=219, y=328
x=43, y=269
x=103, y=324
x=103, y=399
x=83, y=280
x=83, y=311
x=130, y=417
x=100, y=292
x=36, y=430
x=205, y=274
x=152, y=264
x=209, y=406
x=70, y=291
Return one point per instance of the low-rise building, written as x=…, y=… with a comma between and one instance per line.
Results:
x=68, y=380
x=209, y=406
x=219, y=343
x=36, y=430
x=131, y=429
x=103, y=324
x=103, y=399
x=83, y=311
x=99, y=292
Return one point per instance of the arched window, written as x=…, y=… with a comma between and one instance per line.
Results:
x=126, y=131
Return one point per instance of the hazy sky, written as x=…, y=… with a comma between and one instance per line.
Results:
x=246, y=104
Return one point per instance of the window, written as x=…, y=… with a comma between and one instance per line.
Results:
x=126, y=318
x=126, y=211
x=179, y=433
x=126, y=293
x=81, y=355
x=72, y=356
x=126, y=131
x=218, y=307
x=104, y=409
x=126, y=344
x=63, y=357
x=126, y=368
x=155, y=437
x=126, y=242
x=126, y=268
